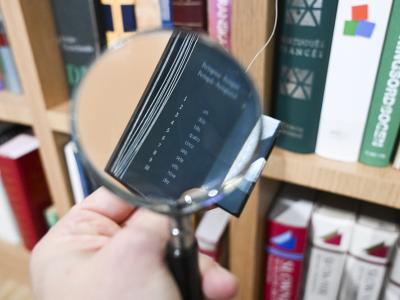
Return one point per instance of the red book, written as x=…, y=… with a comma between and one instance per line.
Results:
x=190, y=14
x=287, y=231
x=25, y=184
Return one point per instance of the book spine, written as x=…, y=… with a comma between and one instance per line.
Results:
x=304, y=37
x=82, y=176
x=2, y=71
x=8, y=224
x=191, y=14
x=28, y=195
x=148, y=14
x=51, y=216
x=392, y=290
x=396, y=162
x=79, y=36
x=331, y=240
x=10, y=70
x=324, y=273
x=219, y=21
x=73, y=172
x=384, y=116
x=357, y=44
x=362, y=280
x=119, y=19
x=11, y=77
x=166, y=14
x=366, y=266
x=285, y=248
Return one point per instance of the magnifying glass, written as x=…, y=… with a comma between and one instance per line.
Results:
x=168, y=120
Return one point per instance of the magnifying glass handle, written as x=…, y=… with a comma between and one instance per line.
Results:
x=184, y=265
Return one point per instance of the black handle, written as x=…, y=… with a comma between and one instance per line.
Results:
x=184, y=266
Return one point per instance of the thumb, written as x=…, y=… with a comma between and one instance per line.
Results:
x=218, y=283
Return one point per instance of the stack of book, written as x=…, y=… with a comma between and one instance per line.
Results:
x=324, y=246
x=24, y=194
x=337, y=79
x=86, y=28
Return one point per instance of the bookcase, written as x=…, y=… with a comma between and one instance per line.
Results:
x=44, y=105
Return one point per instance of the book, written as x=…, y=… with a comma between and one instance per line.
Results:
x=25, y=183
x=304, y=36
x=2, y=72
x=357, y=43
x=80, y=182
x=148, y=14
x=119, y=19
x=80, y=36
x=11, y=77
x=190, y=14
x=51, y=216
x=332, y=224
x=166, y=14
x=383, y=120
x=10, y=130
x=219, y=21
x=392, y=289
x=286, y=242
x=8, y=224
x=396, y=162
x=210, y=230
x=374, y=239
x=188, y=141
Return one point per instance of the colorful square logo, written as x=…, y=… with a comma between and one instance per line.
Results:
x=359, y=24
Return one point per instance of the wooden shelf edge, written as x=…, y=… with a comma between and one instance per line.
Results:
x=14, y=262
x=59, y=118
x=14, y=108
x=378, y=185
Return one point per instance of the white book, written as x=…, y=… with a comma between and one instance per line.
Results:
x=9, y=230
x=358, y=38
x=396, y=163
x=74, y=173
x=392, y=290
x=294, y=206
x=210, y=230
x=332, y=225
x=148, y=14
x=370, y=251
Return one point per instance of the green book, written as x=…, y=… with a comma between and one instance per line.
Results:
x=51, y=216
x=304, y=40
x=384, y=115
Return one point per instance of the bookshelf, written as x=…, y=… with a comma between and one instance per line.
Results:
x=44, y=105
x=14, y=262
x=13, y=108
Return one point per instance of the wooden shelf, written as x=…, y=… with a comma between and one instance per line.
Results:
x=14, y=262
x=14, y=108
x=59, y=118
x=378, y=185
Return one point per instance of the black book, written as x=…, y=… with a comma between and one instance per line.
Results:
x=80, y=36
x=191, y=123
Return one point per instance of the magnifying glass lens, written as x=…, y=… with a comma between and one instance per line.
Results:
x=168, y=120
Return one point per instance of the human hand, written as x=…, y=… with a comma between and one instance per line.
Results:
x=101, y=250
